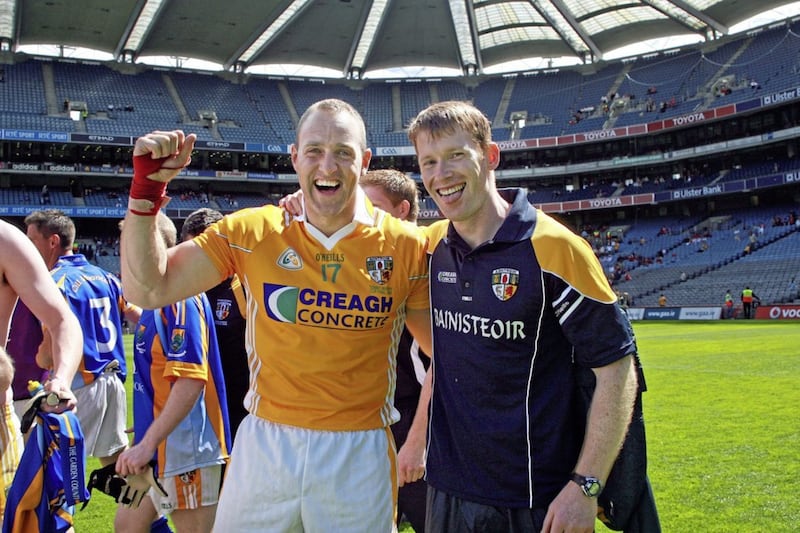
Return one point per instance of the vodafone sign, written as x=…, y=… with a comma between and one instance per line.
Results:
x=779, y=312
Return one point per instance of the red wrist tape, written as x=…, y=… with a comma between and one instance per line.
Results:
x=146, y=196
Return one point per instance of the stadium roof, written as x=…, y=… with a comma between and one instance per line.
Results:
x=355, y=37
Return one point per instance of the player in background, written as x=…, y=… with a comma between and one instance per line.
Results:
x=95, y=297
x=179, y=411
x=228, y=301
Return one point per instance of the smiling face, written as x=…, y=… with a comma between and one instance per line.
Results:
x=456, y=172
x=329, y=157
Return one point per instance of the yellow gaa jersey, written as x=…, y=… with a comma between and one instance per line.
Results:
x=324, y=314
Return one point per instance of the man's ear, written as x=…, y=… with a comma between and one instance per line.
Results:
x=55, y=241
x=493, y=155
x=405, y=208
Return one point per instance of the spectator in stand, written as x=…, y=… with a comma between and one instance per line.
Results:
x=228, y=301
x=662, y=300
x=95, y=297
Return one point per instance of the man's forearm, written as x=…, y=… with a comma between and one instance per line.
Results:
x=66, y=342
x=608, y=418
x=182, y=397
x=419, y=426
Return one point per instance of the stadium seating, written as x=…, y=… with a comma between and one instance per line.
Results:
x=265, y=110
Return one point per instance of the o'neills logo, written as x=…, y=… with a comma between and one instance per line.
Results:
x=688, y=119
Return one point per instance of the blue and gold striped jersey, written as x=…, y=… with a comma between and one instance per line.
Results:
x=50, y=479
x=187, y=348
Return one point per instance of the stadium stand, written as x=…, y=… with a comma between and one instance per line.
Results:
x=717, y=244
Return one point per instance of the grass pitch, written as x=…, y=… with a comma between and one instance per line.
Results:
x=722, y=421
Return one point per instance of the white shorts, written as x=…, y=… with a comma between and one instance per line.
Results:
x=284, y=478
x=102, y=411
x=190, y=490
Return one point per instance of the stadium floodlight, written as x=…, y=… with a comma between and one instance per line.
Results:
x=466, y=41
x=296, y=7
x=143, y=24
x=8, y=9
x=376, y=13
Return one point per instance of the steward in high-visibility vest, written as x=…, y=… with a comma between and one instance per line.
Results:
x=747, y=301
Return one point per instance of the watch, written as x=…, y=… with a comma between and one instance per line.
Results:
x=590, y=486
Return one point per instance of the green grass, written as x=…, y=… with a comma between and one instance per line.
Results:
x=722, y=425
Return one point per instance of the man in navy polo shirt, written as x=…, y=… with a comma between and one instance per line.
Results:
x=519, y=302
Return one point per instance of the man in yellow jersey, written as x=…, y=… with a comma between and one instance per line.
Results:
x=328, y=294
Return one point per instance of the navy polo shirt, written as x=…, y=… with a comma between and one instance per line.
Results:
x=509, y=318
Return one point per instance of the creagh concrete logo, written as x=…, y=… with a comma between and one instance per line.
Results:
x=322, y=309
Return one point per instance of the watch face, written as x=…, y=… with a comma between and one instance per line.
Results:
x=591, y=487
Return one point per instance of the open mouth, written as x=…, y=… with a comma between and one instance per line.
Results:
x=451, y=190
x=327, y=185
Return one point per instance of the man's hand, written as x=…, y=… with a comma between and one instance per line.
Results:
x=571, y=512
x=61, y=389
x=135, y=460
x=172, y=147
x=54, y=397
x=411, y=462
x=292, y=203
x=128, y=491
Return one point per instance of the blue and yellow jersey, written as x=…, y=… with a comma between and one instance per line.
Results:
x=189, y=350
x=324, y=314
x=95, y=297
x=509, y=319
x=50, y=479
